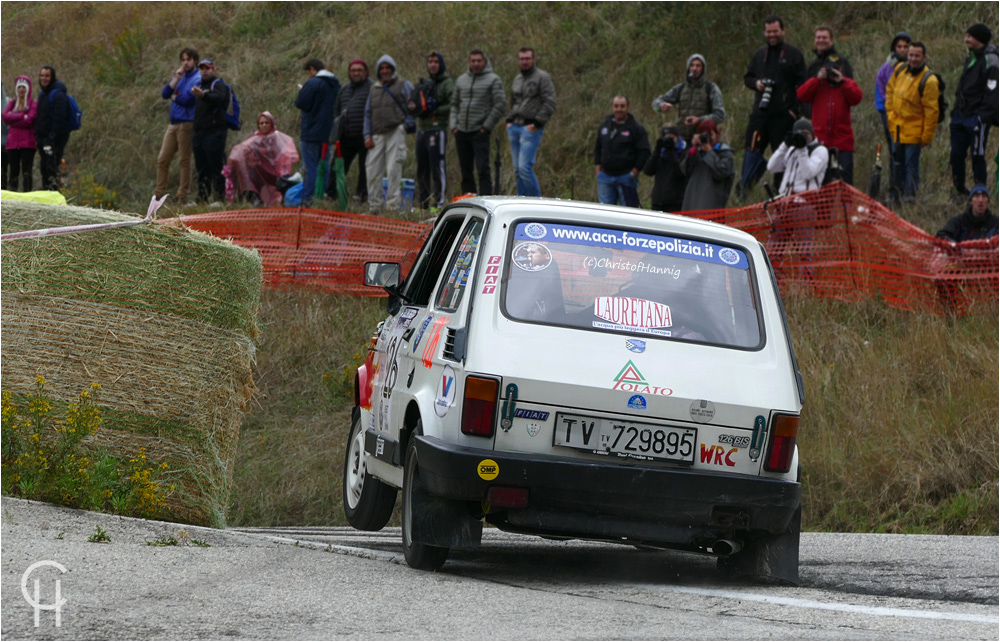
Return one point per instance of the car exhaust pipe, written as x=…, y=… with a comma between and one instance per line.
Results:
x=726, y=547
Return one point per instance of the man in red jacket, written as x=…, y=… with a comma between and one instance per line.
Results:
x=832, y=94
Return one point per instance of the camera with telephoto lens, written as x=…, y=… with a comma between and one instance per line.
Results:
x=795, y=139
x=765, y=97
x=704, y=138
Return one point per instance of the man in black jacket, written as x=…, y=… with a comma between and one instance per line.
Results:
x=51, y=126
x=976, y=222
x=774, y=73
x=620, y=153
x=349, y=115
x=975, y=108
x=210, y=132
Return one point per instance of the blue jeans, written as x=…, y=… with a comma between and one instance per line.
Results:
x=968, y=133
x=906, y=162
x=523, y=147
x=618, y=189
x=311, y=153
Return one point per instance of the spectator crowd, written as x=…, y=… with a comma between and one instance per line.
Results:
x=802, y=112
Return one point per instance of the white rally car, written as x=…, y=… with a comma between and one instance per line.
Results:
x=575, y=370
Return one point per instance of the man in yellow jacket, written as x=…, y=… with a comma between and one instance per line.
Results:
x=912, y=111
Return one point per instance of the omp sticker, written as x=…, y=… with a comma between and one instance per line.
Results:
x=702, y=410
x=637, y=402
x=540, y=415
x=488, y=469
x=531, y=257
x=629, y=379
x=445, y=392
x=627, y=313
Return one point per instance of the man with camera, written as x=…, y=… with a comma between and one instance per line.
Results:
x=696, y=99
x=664, y=164
x=774, y=73
x=801, y=159
x=832, y=93
x=710, y=167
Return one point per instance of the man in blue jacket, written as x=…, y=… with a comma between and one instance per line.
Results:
x=316, y=100
x=179, y=136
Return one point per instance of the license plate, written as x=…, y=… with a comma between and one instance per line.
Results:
x=625, y=438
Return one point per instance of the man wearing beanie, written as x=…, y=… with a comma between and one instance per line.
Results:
x=801, y=158
x=897, y=54
x=975, y=108
x=349, y=115
x=976, y=222
x=695, y=100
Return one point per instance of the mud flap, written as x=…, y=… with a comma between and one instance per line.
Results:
x=766, y=558
x=443, y=522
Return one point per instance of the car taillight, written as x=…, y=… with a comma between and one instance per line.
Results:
x=479, y=406
x=784, y=430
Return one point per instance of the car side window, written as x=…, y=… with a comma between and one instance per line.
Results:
x=457, y=278
x=420, y=283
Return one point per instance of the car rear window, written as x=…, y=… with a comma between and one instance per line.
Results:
x=631, y=282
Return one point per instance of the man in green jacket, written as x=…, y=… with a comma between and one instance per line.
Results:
x=432, y=135
x=476, y=107
x=532, y=102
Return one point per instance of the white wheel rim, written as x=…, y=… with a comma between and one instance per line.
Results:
x=356, y=470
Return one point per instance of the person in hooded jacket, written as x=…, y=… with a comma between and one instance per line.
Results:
x=711, y=168
x=386, y=125
x=897, y=54
x=696, y=99
x=349, y=111
x=51, y=125
x=256, y=163
x=19, y=115
x=316, y=100
x=477, y=106
x=211, y=129
x=975, y=108
x=664, y=164
x=620, y=153
x=831, y=94
x=432, y=136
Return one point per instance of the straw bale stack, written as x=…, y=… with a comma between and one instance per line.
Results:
x=165, y=319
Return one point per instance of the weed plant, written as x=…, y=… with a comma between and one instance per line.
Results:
x=48, y=459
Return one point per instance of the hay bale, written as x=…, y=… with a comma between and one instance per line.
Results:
x=165, y=319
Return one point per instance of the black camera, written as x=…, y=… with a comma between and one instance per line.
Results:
x=704, y=138
x=667, y=142
x=765, y=97
x=795, y=139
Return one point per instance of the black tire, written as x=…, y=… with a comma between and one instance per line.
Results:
x=368, y=502
x=419, y=556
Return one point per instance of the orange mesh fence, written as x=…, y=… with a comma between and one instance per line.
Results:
x=316, y=248
x=834, y=242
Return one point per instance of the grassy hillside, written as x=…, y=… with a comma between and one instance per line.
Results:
x=115, y=57
x=900, y=425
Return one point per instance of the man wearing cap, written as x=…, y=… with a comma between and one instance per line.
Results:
x=315, y=100
x=210, y=132
x=913, y=117
x=696, y=99
x=801, y=158
x=897, y=54
x=179, y=137
x=975, y=107
x=976, y=222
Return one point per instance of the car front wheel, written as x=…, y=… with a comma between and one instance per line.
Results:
x=368, y=502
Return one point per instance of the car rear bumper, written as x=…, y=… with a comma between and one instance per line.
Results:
x=611, y=500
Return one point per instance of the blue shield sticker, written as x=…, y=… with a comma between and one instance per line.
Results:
x=637, y=402
x=635, y=345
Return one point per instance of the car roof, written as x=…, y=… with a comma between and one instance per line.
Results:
x=510, y=207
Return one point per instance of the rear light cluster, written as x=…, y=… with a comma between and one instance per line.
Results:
x=479, y=406
x=781, y=450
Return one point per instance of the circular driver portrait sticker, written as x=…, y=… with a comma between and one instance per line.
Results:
x=531, y=256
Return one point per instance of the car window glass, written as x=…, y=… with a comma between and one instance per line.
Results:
x=457, y=278
x=631, y=282
x=421, y=280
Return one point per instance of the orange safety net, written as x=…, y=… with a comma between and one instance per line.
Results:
x=834, y=242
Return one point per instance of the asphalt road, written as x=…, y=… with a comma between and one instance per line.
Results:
x=334, y=583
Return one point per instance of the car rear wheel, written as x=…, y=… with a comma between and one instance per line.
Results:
x=766, y=557
x=420, y=556
x=368, y=502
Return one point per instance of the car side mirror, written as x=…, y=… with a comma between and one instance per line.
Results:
x=382, y=275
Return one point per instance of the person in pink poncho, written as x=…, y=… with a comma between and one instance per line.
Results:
x=256, y=163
